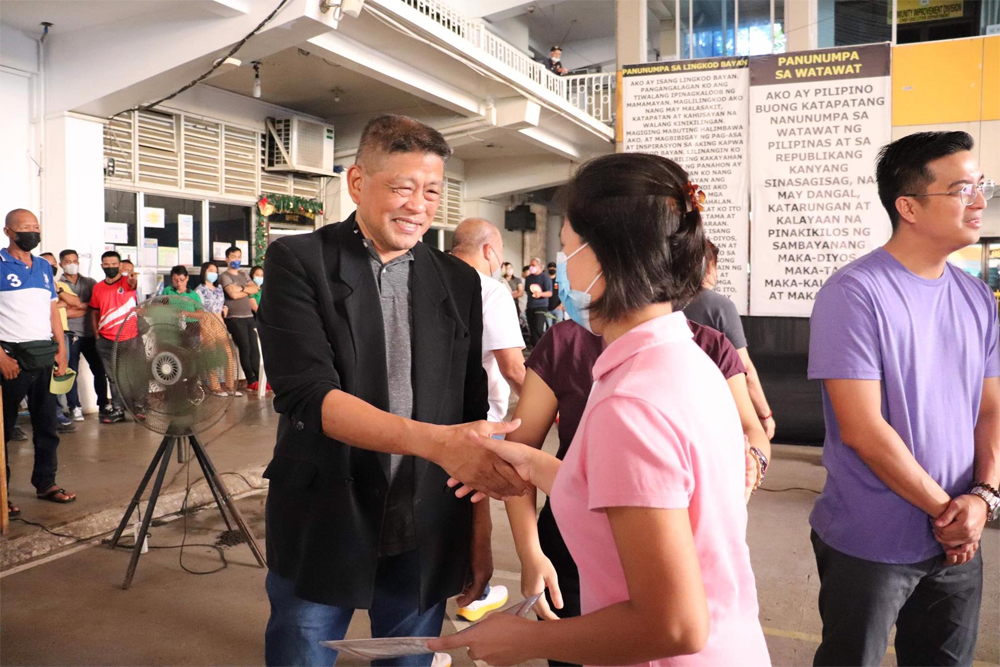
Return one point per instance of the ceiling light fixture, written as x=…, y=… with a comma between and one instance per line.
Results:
x=256, y=78
x=337, y=93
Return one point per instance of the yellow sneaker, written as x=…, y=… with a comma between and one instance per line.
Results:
x=496, y=598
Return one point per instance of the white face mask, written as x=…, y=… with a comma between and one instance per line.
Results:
x=496, y=275
x=555, y=59
x=71, y=269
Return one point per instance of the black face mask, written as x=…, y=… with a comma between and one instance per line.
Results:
x=110, y=271
x=27, y=241
x=54, y=272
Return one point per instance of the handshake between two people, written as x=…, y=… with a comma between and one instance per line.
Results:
x=484, y=466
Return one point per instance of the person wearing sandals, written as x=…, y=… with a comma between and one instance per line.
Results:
x=213, y=298
x=31, y=343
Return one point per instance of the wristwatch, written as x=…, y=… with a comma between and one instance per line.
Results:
x=990, y=496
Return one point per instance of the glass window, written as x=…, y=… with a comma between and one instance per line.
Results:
x=685, y=12
x=174, y=211
x=930, y=20
x=714, y=28
x=230, y=225
x=754, y=37
x=120, y=206
x=854, y=22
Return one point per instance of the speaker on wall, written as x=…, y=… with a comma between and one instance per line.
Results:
x=520, y=218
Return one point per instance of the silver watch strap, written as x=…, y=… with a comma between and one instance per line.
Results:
x=992, y=502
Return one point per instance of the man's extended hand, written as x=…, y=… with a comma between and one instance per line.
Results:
x=962, y=522
x=476, y=466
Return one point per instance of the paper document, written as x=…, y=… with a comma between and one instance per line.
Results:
x=396, y=647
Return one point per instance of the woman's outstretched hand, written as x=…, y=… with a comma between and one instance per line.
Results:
x=520, y=457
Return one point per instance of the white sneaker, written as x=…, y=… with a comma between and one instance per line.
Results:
x=475, y=611
x=441, y=660
x=78, y=414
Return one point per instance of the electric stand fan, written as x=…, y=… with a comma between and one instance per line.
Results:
x=175, y=368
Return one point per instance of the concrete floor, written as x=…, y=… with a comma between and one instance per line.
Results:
x=70, y=610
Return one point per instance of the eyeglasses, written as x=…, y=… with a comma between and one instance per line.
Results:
x=969, y=193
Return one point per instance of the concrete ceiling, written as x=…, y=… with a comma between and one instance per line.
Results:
x=71, y=15
x=297, y=80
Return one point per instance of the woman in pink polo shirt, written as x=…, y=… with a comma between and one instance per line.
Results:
x=650, y=495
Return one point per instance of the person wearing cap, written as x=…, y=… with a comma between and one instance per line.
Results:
x=31, y=343
x=554, y=62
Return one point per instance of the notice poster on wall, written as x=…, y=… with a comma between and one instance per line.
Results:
x=186, y=252
x=219, y=250
x=167, y=256
x=115, y=232
x=129, y=252
x=154, y=218
x=185, y=227
x=819, y=120
x=695, y=113
x=150, y=255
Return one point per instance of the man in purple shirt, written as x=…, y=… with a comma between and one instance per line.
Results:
x=906, y=345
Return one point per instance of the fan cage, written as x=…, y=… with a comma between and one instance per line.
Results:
x=174, y=366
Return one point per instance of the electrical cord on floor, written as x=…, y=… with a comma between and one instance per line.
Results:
x=180, y=556
x=76, y=538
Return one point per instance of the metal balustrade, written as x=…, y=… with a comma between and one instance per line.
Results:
x=594, y=94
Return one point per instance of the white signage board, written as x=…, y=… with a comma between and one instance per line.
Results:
x=696, y=113
x=819, y=120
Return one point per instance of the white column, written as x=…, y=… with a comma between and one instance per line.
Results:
x=801, y=20
x=631, y=32
x=668, y=39
x=73, y=208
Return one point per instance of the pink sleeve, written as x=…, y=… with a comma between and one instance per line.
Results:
x=635, y=458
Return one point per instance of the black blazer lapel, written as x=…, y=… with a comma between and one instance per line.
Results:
x=354, y=289
x=433, y=334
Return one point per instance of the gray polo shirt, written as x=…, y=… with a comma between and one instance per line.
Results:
x=714, y=310
x=82, y=326
x=393, y=280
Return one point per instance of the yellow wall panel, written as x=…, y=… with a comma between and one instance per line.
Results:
x=991, y=78
x=937, y=82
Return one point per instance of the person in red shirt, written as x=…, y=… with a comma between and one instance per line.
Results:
x=111, y=301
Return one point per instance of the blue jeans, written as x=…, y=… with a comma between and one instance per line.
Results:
x=296, y=627
x=77, y=346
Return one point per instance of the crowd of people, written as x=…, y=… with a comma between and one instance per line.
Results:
x=392, y=426
x=86, y=318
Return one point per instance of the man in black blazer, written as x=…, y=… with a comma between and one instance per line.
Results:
x=372, y=342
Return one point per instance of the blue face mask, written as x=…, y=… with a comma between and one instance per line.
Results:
x=235, y=264
x=576, y=303
x=258, y=280
x=211, y=277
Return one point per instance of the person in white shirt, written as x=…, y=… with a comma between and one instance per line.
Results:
x=478, y=243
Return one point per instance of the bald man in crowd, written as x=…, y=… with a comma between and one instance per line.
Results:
x=478, y=243
x=32, y=348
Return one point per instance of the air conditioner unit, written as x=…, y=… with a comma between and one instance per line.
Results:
x=298, y=145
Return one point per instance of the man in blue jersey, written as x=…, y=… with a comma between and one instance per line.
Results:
x=31, y=344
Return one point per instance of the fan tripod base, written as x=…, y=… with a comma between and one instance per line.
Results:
x=219, y=492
